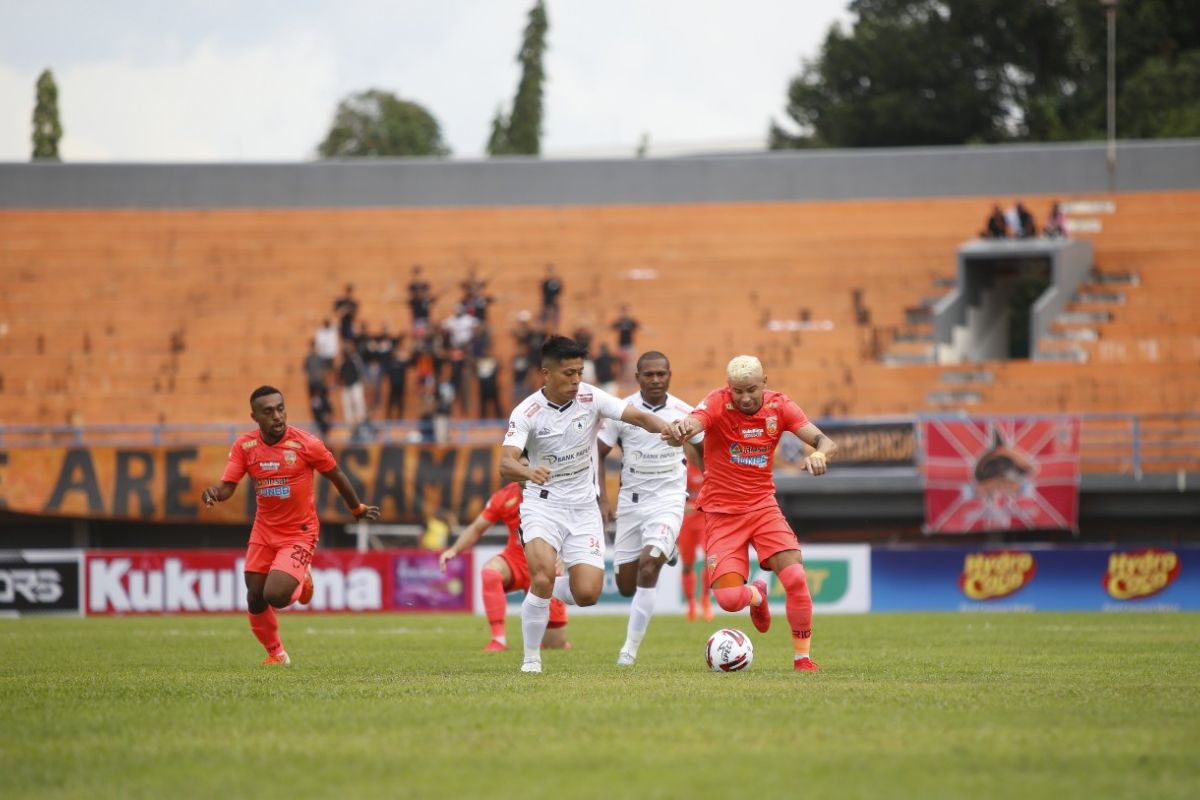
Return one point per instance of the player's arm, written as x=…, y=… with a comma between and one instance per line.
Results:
x=694, y=454
x=466, y=540
x=342, y=484
x=685, y=428
x=648, y=422
x=607, y=511
x=218, y=493
x=823, y=448
x=511, y=468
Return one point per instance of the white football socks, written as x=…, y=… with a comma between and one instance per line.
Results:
x=562, y=590
x=640, y=612
x=535, y=614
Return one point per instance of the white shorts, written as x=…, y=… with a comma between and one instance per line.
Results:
x=644, y=526
x=576, y=534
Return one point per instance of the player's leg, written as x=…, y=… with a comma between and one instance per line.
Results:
x=496, y=579
x=583, y=557
x=556, y=629
x=542, y=538
x=658, y=539
x=688, y=543
x=726, y=539
x=789, y=567
x=627, y=550
x=263, y=623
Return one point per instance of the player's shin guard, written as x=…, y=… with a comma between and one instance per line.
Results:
x=535, y=614
x=266, y=630
x=562, y=590
x=799, y=607
x=494, y=604
x=639, y=618
x=734, y=598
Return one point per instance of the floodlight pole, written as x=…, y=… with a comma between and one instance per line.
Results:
x=1110, y=9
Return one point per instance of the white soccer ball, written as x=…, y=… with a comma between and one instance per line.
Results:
x=728, y=650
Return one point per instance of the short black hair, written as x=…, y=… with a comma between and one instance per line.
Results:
x=560, y=348
x=263, y=391
x=652, y=355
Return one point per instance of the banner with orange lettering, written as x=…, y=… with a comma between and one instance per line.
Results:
x=1001, y=474
x=164, y=483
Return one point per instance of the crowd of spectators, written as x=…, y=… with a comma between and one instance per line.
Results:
x=1018, y=223
x=444, y=364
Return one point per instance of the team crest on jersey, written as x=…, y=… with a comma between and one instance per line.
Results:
x=533, y=409
x=580, y=425
x=772, y=426
x=289, y=457
x=246, y=445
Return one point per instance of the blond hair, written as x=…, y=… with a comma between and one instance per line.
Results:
x=743, y=368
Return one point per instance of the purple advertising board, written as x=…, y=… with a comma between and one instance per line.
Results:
x=420, y=585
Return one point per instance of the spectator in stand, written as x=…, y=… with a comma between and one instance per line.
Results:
x=345, y=308
x=487, y=371
x=396, y=368
x=350, y=376
x=315, y=371
x=420, y=302
x=1027, y=227
x=474, y=300
x=417, y=285
x=322, y=410
x=625, y=326
x=996, y=228
x=460, y=333
x=1056, y=223
x=527, y=352
x=446, y=393
x=552, y=288
x=583, y=338
x=605, y=366
x=326, y=343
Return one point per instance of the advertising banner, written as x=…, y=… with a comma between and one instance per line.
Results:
x=211, y=581
x=1001, y=474
x=407, y=482
x=1029, y=579
x=870, y=444
x=40, y=582
x=839, y=577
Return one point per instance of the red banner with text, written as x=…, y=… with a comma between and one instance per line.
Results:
x=1001, y=474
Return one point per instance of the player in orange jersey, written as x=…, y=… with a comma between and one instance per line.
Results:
x=280, y=461
x=742, y=423
x=691, y=538
x=506, y=572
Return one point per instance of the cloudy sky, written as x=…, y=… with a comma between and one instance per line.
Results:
x=243, y=80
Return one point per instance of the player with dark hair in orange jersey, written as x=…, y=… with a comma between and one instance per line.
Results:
x=742, y=423
x=506, y=572
x=691, y=539
x=280, y=461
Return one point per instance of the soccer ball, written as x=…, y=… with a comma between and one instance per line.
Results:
x=728, y=650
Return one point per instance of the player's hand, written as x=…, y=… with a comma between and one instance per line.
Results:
x=368, y=513
x=815, y=464
x=444, y=557
x=539, y=475
x=209, y=496
x=676, y=432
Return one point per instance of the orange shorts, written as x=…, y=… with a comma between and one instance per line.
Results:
x=519, y=567
x=726, y=537
x=691, y=537
x=291, y=553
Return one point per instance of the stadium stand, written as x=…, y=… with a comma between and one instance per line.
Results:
x=168, y=316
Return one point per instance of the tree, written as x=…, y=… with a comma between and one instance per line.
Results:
x=47, y=130
x=923, y=72
x=520, y=133
x=378, y=123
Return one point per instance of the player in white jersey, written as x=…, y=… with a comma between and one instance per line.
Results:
x=556, y=428
x=653, y=492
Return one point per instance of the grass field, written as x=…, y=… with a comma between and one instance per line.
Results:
x=1012, y=706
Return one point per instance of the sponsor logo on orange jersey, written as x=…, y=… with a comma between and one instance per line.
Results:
x=293, y=443
x=990, y=576
x=246, y=445
x=1140, y=573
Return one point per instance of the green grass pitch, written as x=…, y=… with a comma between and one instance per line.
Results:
x=1005, y=706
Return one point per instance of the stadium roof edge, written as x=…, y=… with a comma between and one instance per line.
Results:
x=1000, y=171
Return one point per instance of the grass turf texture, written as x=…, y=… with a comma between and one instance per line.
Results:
x=1045, y=705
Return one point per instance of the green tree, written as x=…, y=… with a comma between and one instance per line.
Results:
x=520, y=133
x=378, y=123
x=922, y=72
x=47, y=130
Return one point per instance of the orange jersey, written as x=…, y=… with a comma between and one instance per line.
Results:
x=505, y=506
x=283, y=478
x=739, y=449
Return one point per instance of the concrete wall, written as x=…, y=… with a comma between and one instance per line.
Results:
x=994, y=171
